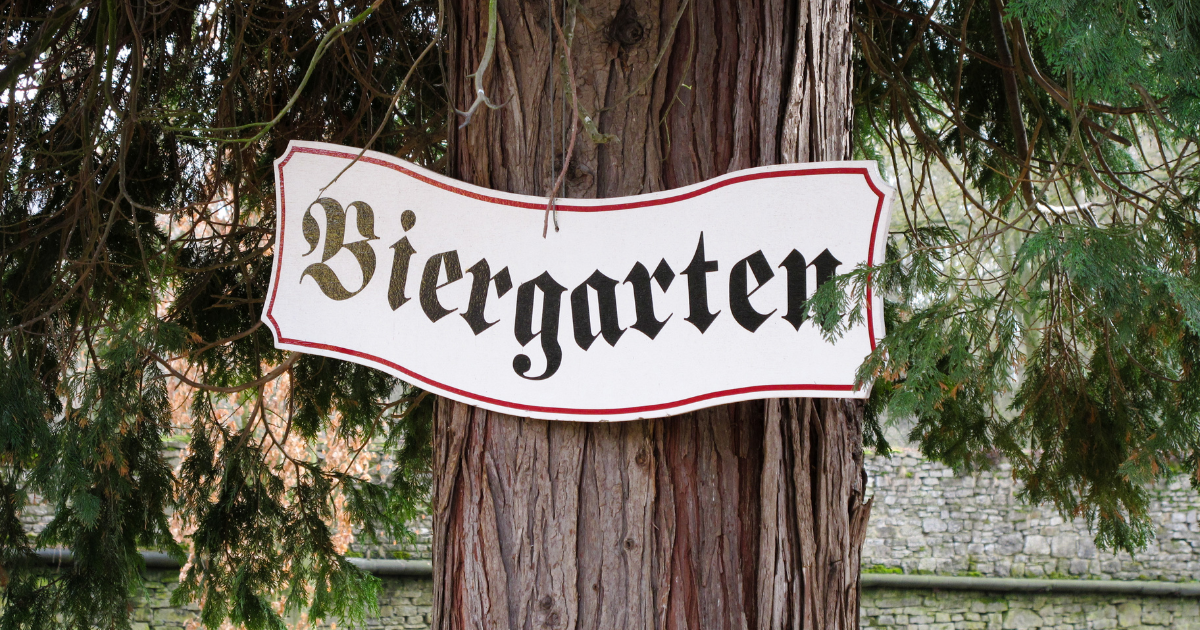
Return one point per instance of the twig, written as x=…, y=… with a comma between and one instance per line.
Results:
x=574, y=129
x=270, y=376
x=46, y=36
x=1054, y=90
x=489, y=50
x=332, y=36
x=395, y=99
x=219, y=342
x=411, y=407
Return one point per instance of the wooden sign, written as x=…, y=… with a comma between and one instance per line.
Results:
x=639, y=307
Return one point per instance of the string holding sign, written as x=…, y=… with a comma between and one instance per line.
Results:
x=732, y=328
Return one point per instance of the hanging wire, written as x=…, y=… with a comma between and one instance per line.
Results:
x=550, y=92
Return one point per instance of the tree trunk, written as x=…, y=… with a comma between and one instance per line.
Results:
x=747, y=515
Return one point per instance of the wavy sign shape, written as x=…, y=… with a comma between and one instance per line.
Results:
x=639, y=307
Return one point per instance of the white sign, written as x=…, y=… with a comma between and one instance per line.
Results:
x=639, y=307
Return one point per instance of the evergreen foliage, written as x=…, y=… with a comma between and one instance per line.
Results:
x=1043, y=300
x=135, y=247
x=1041, y=286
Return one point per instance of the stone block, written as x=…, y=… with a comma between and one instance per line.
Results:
x=927, y=564
x=1010, y=544
x=1020, y=618
x=933, y=525
x=1155, y=616
x=1129, y=614
x=1064, y=545
x=1036, y=546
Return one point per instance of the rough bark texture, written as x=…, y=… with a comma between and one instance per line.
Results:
x=748, y=515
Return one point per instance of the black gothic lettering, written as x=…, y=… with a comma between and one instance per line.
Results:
x=739, y=298
x=797, y=287
x=404, y=253
x=581, y=316
x=697, y=270
x=335, y=236
x=643, y=299
x=698, y=313
x=551, y=305
x=481, y=277
x=826, y=266
x=429, y=286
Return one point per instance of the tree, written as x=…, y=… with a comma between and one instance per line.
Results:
x=741, y=515
x=1042, y=300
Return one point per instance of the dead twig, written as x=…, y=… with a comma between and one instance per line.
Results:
x=489, y=51
x=574, y=129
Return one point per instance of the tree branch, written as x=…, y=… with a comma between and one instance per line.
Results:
x=270, y=376
x=45, y=37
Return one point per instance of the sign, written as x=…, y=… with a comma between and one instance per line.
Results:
x=639, y=307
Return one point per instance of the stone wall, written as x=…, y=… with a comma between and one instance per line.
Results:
x=959, y=610
x=404, y=604
x=420, y=547
x=926, y=520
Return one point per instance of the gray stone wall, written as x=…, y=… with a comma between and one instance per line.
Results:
x=404, y=604
x=951, y=610
x=419, y=547
x=926, y=520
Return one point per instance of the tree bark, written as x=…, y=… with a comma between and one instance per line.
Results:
x=749, y=515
